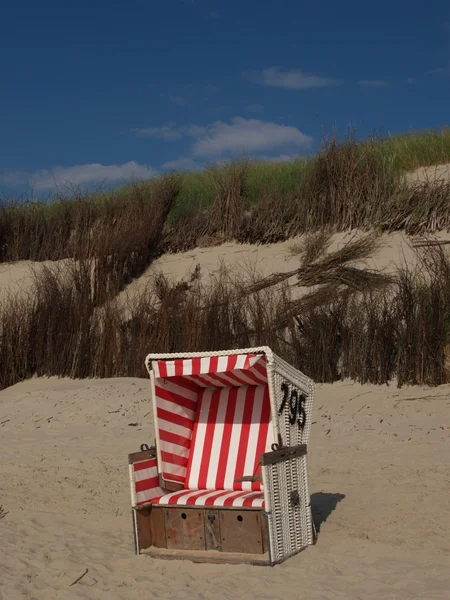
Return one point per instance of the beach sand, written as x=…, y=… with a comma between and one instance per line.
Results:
x=378, y=464
x=379, y=480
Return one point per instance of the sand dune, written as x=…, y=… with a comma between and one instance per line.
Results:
x=244, y=259
x=241, y=259
x=434, y=173
x=16, y=277
x=379, y=479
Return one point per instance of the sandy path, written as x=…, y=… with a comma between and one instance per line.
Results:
x=379, y=480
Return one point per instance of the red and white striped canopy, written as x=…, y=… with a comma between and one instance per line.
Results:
x=215, y=371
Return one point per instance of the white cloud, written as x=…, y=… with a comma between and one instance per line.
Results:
x=167, y=132
x=442, y=70
x=291, y=79
x=246, y=135
x=183, y=164
x=372, y=83
x=78, y=175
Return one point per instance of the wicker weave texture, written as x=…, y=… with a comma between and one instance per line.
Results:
x=289, y=507
x=293, y=396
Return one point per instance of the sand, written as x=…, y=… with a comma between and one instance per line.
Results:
x=247, y=260
x=379, y=480
x=240, y=259
x=16, y=278
x=432, y=174
x=244, y=259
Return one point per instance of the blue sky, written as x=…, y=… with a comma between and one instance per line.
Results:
x=100, y=91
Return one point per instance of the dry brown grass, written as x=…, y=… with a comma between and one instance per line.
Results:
x=420, y=208
x=368, y=328
x=128, y=231
x=351, y=322
x=320, y=268
x=349, y=184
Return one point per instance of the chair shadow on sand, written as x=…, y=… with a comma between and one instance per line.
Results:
x=322, y=505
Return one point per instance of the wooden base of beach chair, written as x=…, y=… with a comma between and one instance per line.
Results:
x=205, y=534
x=209, y=556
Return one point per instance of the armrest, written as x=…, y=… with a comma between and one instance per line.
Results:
x=141, y=455
x=251, y=478
x=283, y=454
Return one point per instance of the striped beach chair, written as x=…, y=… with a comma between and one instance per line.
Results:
x=227, y=478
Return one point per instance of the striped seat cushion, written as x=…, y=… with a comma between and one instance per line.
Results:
x=145, y=490
x=231, y=431
x=212, y=498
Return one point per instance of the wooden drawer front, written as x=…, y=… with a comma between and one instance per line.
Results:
x=185, y=529
x=158, y=527
x=241, y=531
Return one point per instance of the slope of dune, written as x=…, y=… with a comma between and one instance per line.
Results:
x=245, y=259
x=16, y=278
x=241, y=259
x=378, y=474
x=433, y=173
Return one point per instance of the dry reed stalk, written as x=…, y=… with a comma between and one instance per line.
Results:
x=358, y=327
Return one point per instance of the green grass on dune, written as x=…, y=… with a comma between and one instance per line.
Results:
x=198, y=190
x=409, y=151
x=399, y=154
x=376, y=160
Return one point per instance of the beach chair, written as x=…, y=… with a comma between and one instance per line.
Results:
x=227, y=478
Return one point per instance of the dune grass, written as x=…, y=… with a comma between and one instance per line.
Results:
x=350, y=322
x=349, y=183
x=398, y=153
x=356, y=325
x=408, y=151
